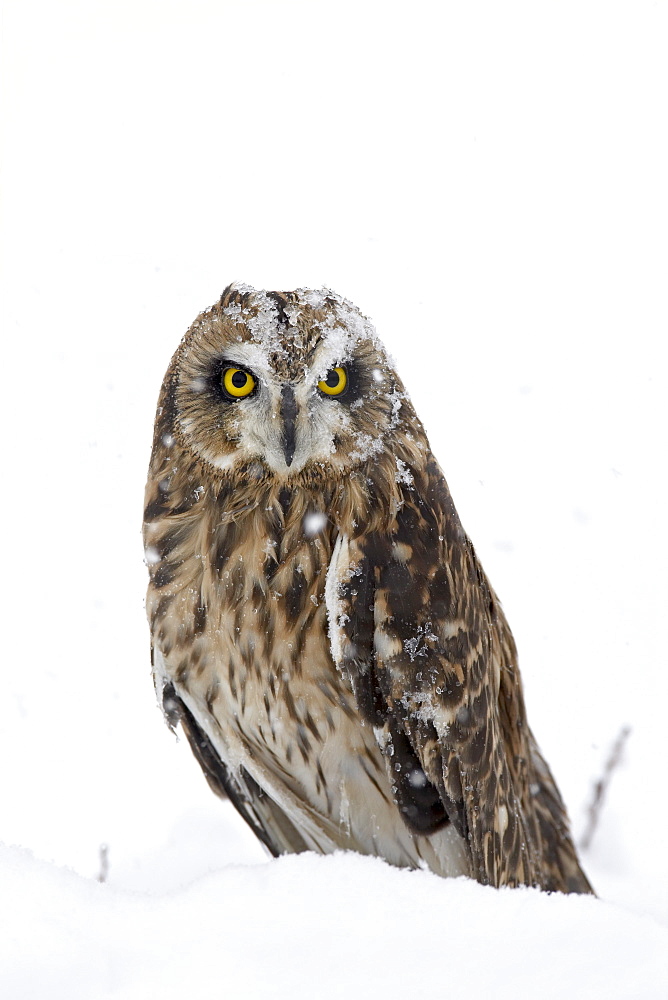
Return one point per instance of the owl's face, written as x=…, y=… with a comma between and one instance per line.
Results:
x=278, y=383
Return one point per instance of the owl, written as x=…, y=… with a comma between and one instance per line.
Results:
x=321, y=627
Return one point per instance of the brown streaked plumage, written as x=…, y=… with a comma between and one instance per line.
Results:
x=321, y=626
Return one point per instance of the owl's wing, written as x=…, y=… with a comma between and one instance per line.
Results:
x=416, y=627
x=266, y=819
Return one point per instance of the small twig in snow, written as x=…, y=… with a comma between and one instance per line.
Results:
x=601, y=787
x=104, y=863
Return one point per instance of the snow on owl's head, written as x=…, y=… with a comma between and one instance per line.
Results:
x=283, y=382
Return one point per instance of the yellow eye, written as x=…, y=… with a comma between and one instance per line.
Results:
x=335, y=382
x=237, y=382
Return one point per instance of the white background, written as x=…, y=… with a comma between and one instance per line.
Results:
x=488, y=183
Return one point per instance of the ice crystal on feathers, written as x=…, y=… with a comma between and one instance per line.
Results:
x=366, y=447
x=261, y=320
x=404, y=474
x=411, y=647
x=396, y=406
x=417, y=645
x=419, y=705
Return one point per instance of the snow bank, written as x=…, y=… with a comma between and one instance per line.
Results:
x=308, y=926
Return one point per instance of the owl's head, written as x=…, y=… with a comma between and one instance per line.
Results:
x=283, y=383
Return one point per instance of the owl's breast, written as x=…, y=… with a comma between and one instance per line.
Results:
x=269, y=687
x=242, y=634
x=271, y=674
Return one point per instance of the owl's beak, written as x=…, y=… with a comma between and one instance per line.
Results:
x=289, y=418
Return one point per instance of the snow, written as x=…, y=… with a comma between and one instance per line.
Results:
x=314, y=523
x=486, y=183
x=404, y=474
x=313, y=926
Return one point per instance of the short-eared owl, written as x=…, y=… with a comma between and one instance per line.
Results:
x=321, y=626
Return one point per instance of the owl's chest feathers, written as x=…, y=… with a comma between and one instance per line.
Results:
x=266, y=670
x=266, y=679
x=269, y=578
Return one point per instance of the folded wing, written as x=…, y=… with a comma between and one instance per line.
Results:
x=418, y=630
